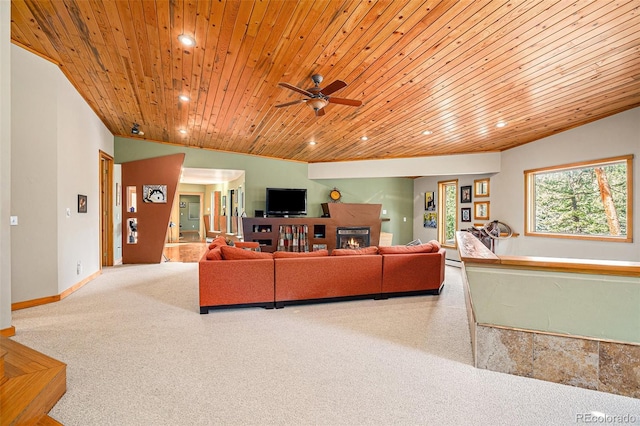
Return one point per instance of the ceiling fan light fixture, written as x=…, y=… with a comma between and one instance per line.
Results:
x=187, y=40
x=316, y=104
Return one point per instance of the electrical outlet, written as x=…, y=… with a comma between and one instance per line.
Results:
x=14, y=220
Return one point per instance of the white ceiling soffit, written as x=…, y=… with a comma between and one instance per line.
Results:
x=209, y=176
x=443, y=165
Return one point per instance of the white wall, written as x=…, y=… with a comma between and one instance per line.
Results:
x=430, y=184
x=613, y=136
x=5, y=164
x=56, y=142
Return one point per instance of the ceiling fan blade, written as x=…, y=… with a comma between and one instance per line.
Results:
x=320, y=112
x=342, y=101
x=299, y=101
x=333, y=87
x=296, y=89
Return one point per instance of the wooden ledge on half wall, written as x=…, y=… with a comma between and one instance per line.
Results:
x=472, y=251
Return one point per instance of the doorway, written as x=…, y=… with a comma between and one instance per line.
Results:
x=106, y=209
x=190, y=217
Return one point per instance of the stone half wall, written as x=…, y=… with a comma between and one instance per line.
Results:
x=587, y=363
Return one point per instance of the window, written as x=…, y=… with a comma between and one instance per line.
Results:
x=447, y=212
x=590, y=200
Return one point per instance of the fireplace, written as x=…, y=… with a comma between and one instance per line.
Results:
x=353, y=237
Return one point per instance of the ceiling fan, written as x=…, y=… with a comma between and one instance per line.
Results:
x=317, y=97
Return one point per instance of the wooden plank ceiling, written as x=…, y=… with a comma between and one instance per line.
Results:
x=452, y=68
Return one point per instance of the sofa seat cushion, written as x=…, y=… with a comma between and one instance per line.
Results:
x=351, y=252
x=235, y=253
x=420, y=248
x=289, y=254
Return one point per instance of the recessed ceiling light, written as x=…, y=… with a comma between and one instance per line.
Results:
x=501, y=123
x=187, y=40
x=364, y=138
x=427, y=132
x=184, y=98
x=312, y=143
x=183, y=131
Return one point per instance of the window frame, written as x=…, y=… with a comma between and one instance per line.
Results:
x=441, y=212
x=529, y=205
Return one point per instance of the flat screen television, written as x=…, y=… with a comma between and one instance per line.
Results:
x=286, y=202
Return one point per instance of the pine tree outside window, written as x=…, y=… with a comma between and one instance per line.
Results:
x=589, y=200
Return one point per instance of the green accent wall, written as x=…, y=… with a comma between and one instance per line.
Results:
x=395, y=194
x=598, y=306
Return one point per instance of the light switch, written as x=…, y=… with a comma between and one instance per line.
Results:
x=68, y=212
x=404, y=219
x=14, y=220
x=384, y=212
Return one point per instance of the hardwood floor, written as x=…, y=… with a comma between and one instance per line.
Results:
x=184, y=252
x=31, y=384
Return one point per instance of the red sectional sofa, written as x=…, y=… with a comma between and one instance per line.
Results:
x=230, y=276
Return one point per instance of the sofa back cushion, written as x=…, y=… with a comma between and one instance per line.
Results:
x=235, y=253
x=217, y=242
x=289, y=254
x=420, y=248
x=214, y=254
x=351, y=252
x=436, y=245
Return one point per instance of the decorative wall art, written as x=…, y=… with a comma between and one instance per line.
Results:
x=466, y=213
x=154, y=193
x=481, y=187
x=430, y=201
x=430, y=220
x=82, y=203
x=465, y=194
x=481, y=210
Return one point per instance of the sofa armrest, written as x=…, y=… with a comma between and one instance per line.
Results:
x=236, y=282
x=412, y=272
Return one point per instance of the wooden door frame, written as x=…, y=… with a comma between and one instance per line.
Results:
x=105, y=166
x=176, y=211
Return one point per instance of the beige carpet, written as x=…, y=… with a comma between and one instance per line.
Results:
x=139, y=353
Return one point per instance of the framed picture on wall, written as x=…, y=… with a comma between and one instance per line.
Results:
x=465, y=194
x=154, y=193
x=430, y=201
x=466, y=214
x=430, y=220
x=481, y=187
x=481, y=210
x=82, y=203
